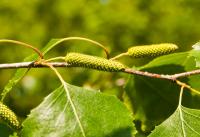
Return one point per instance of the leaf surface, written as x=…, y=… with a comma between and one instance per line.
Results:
x=183, y=123
x=93, y=114
x=154, y=100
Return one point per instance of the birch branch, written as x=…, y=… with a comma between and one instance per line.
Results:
x=172, y=77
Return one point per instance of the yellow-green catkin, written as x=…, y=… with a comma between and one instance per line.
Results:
x=8, y=116
x=151, y=50
x=94, y=62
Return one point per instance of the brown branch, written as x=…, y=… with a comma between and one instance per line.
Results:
x=185, y=74
x=172, y=77
x=163, y=76
x=32, y=65
x=148, y=74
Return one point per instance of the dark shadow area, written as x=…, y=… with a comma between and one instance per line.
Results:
x=5, y=131
x=154, y=100
x=121, y=132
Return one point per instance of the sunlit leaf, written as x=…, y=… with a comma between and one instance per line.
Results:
x=183, y=123
x=95, y=115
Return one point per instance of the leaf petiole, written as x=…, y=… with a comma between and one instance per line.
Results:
x=23, y=44
x=56, y=58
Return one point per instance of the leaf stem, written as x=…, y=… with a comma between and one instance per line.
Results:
x=180, y=110
x=83, y=39
x=180, y=96
x=23, y=44
x=187, y=86
x=119, y=56
x=56, y=58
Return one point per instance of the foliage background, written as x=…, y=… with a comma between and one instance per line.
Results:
x=116, y=24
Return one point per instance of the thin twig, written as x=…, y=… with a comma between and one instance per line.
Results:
x=128, y=70
x=148, y=74
x=173, y=77
x=185, y=74
x=181, y=95
x=32, y=65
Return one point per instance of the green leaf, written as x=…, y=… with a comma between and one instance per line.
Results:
x=5, y=131
x=50, y=45
x=196, y=53
x=154, y=100
x=183, y=123
x=19, y=74
x=92, y=114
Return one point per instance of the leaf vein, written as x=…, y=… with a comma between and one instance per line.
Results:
x=62, y=113
x=54, y=100
x=73, y=108
x=190, y=114
x=182, y=123
x=185, y=122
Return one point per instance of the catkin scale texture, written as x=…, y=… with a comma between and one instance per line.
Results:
x=151, y=50
x=94, y=62
x=8, y=116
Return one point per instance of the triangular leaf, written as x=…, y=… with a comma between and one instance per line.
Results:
x=183, y=123
x=98, y=115
x=153, y=100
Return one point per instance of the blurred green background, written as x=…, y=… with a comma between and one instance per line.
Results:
x=116, y=24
